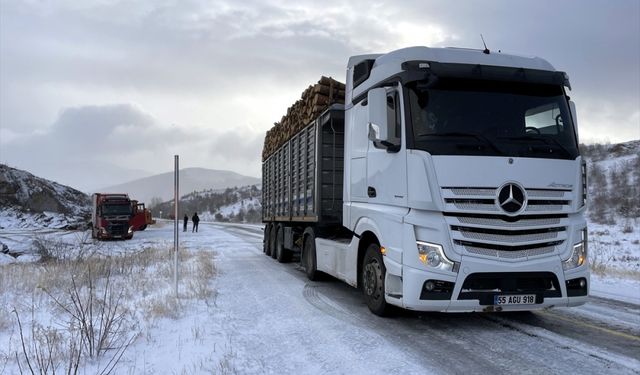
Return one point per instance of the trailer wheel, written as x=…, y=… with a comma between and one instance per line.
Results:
x=372, y=281
x=282, y=255
x=309, y=260
x=272, y=241
x=265, y=240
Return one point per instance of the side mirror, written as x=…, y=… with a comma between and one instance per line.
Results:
x=378, y=126
x=572, y=106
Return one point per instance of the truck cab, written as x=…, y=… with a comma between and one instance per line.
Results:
x=464, y=167
x=110, y=217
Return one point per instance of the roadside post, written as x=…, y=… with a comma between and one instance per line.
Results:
x=176, y=181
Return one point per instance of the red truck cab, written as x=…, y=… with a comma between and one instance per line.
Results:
x=110, y=217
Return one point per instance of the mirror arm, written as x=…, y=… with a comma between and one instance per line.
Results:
x=391, y=147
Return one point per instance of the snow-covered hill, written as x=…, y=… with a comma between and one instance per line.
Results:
x=28, y=201
x=614, y=207
x=237, y=204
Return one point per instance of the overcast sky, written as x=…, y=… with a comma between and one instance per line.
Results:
x=107, y=85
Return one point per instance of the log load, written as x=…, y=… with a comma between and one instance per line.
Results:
x=315, y=99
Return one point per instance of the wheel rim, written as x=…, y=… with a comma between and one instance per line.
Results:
x=372, y=273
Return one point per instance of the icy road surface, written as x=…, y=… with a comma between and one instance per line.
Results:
x=283, y=323
x=268, y=318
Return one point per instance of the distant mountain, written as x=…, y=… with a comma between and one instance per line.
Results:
x=191, y=180
x=28, y=201
x=83, y=174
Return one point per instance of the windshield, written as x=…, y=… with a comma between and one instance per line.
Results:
x=479, y=117
x=116, y=209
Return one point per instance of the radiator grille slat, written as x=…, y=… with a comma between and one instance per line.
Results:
x=480, y=227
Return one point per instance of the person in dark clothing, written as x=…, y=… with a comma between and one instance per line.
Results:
x=195, y=220
x=186, y=220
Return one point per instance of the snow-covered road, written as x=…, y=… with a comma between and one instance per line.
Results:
x=268, y=318
x=283, y=323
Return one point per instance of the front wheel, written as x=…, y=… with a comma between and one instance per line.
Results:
x=372, y=281
x=309, y=258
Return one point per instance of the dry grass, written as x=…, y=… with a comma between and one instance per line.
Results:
x=131, y=290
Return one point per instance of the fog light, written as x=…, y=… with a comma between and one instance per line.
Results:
x=583, y=283
x=429, y=285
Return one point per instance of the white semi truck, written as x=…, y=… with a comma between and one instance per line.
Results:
x=450, y=180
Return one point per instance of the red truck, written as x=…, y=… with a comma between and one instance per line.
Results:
x=111, y=216
x=140, y=216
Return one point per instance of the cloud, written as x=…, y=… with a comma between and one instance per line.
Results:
x=208, y=78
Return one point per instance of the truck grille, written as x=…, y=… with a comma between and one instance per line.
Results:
x=118, y=229
x=478, y=225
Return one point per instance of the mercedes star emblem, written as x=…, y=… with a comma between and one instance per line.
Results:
x=511, y=198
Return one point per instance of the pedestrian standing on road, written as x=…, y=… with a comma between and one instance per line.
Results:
x=186, y=220
x=195, y=220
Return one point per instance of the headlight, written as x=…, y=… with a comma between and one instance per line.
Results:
x=578, y=254
x=433, y=256
x=130, y=230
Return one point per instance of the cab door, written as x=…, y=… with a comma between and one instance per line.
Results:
x=387, y=166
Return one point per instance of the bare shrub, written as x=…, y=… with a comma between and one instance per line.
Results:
x=56, y=250
x=601, y=256
x=100, y=317
x=627, y=228
x=44, y=350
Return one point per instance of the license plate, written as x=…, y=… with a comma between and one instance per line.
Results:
x=519, y=299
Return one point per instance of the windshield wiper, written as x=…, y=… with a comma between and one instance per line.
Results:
x=476, y=136
x=554, y=142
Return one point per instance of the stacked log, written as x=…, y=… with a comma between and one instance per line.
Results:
x=314, y=100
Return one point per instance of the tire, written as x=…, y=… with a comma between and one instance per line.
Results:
x=265, y=240
x=272, y=241
x=309, y=260
x=143, y=227
x=282, y=255
x=372, y=281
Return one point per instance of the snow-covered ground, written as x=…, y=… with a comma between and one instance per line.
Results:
x=257, y=316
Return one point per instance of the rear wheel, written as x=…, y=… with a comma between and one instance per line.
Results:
x=372, y=281
x=265, y=240
x=272, y=241
x=143, y=227
x=309, y=261
x=282, y=255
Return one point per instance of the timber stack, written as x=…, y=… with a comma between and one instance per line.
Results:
x=315, y=99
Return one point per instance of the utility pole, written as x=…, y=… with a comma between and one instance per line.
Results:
x=176, y=195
